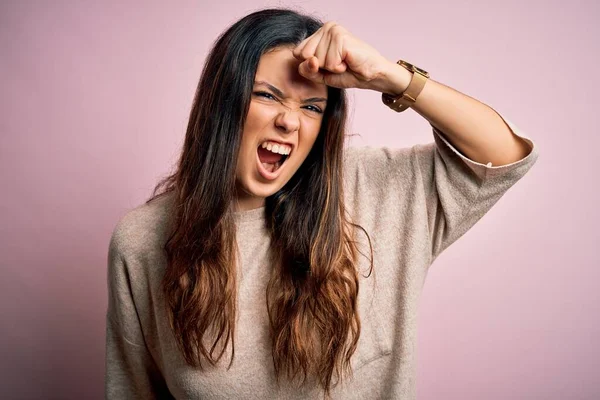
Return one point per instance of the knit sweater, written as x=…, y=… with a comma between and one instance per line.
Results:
x=414, y=202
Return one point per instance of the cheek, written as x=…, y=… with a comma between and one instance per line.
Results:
x=259, y=116
x=253, y=126
x=311, y=132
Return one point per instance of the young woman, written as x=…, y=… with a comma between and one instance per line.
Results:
x=277, y=263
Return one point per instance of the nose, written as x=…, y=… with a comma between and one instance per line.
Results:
x=288, y=121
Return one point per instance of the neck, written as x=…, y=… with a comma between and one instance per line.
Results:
x=245, y=202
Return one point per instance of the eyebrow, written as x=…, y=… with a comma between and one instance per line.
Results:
x=280, y=93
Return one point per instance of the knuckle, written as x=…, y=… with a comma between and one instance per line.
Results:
x=331, y=66
x=337, y=30
x=329, y=24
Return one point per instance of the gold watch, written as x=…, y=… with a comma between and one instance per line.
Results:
x=409, y=96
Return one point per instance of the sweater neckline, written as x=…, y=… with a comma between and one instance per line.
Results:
x=254, y=214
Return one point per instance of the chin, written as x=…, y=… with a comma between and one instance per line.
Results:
x=254, y=185
x=258, y=189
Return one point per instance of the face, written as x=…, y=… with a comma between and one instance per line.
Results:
x=286, y=110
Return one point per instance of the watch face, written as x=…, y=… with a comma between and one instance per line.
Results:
x=387, y=99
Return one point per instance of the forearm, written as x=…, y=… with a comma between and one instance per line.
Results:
x=472, y=127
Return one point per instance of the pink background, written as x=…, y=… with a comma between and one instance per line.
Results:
x=94, y=101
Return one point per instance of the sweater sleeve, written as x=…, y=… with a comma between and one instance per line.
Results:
x=428, y=194
x=130, y=370
x=460, y=191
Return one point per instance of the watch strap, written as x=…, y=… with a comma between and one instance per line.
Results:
x=407, y=98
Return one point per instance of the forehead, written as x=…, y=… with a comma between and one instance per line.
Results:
x=280, y=68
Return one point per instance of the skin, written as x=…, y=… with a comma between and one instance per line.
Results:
x=332, y=56
x=286, y=118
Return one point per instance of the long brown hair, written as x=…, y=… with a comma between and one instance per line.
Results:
x=313, y=290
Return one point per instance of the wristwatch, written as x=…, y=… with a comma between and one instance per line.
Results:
x=409, y=96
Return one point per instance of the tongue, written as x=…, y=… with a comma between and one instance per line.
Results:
x=267, y=156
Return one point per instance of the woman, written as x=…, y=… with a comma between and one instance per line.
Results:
x=249, y=274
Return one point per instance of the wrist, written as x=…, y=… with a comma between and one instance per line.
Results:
x=393, y=79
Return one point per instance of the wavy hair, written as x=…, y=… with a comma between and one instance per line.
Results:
x=313, y=290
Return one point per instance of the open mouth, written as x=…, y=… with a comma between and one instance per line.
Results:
x=273, y=167
x=271, y=161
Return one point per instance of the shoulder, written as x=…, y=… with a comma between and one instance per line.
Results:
x=361, y=155
x=380, y=164
x=143, y=229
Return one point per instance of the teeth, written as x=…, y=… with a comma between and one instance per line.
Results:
x=277, y=148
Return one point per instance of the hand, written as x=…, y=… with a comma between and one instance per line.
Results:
x=335, y=57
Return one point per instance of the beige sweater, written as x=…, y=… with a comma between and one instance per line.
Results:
x=414, y=202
